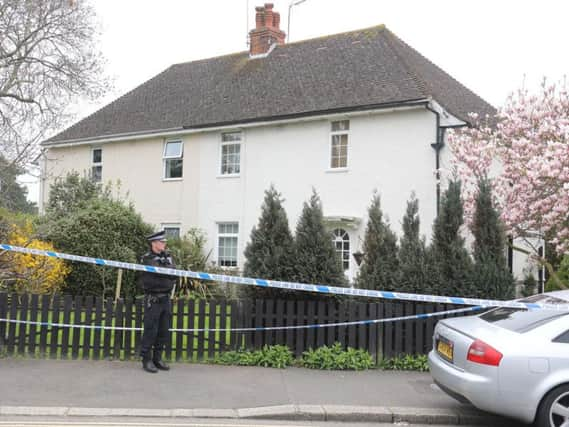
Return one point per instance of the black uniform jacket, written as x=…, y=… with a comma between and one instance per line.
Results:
x=155, y=283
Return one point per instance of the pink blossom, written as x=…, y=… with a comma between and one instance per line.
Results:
x=530, y=143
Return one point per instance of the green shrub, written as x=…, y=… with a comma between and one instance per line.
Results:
x=101, y=228
x=529, y=286
x=562, y=275
x=336, y=357
x=228, y=358
x=275, y=356
x=407, y=362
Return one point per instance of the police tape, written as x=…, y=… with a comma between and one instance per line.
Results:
x=421, y=316
x=318, y=288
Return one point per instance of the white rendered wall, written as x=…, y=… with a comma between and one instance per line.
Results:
x=389, y=151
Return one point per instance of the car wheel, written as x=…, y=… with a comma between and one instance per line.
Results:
x=554, y=409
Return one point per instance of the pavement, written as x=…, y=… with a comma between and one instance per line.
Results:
x=193, y=390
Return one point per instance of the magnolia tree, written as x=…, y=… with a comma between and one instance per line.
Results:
x=525, y=149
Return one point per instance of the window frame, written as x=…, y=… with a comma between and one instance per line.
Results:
x=171, y=226
x=167, y=158
x=234, y=235
x=562, y=338
x=223, y=144
x=96, y=164
x=339, y=133
x=336, y=238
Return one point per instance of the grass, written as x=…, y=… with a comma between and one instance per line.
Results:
x=87, y=350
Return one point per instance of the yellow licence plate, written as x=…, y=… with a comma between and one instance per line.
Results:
x=445, y=348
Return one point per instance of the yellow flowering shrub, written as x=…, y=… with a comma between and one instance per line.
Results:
x=33, y=273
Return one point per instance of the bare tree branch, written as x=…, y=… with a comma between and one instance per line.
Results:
x=48, y=59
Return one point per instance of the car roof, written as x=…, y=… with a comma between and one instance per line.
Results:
x=563, y=294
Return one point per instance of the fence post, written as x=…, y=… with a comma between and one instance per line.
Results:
x=22, y=328
x=3, y=311
x=380, y=330
x=201, y=326
x=210, y=333
x=67, y=307
x=44, y=329
x=119, y=284
x=372, y=330
x=118, y=345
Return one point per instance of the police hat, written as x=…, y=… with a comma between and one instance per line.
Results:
x=160, y=236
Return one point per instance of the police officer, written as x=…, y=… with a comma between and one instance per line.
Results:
x=157, y=308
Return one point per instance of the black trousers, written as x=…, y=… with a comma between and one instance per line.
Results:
x=157, y=319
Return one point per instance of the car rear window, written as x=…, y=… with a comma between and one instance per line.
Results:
x=522, y=320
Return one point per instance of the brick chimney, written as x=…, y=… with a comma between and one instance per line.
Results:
x=267, y=31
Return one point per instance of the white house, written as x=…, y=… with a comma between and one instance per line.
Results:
x=197, y=145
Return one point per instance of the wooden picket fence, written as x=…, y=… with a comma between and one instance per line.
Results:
x=57, y=341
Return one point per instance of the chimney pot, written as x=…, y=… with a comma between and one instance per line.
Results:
x=267, y=30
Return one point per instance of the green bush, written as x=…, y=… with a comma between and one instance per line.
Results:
x=275, y=356
x=529, y=286
x=407, y=362
x=102, y=228
x=337, y=358
x=562, y=275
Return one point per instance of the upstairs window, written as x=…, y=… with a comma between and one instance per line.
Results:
x=173, y=159
x=96, y=164
x=230, y=153
x=172, y=231
x=227, y=235
x=339, y=144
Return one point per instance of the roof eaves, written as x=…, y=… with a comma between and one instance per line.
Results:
x=146, y=134
x=339, y=110
x=213, y=125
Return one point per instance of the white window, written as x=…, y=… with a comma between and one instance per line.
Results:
x=341, y=241
x=227, y=239
x=230, y=153
x=339, y=144
x=96, y=164
x=172, y=231
x=173, y=159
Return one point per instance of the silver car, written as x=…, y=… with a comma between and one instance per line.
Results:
x=509, y=361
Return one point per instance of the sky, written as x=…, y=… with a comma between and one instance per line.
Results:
x=492, y=47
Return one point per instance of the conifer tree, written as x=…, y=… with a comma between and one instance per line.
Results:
x=491, y=278
x=270, y=252
x=412, y=251
x=380, y=266
x=489, y=236
x=316, y=258
x=13, y=196
x=451, y=258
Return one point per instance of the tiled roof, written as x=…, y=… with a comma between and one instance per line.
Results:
x=354, y=70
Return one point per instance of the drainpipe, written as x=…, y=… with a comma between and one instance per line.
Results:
x=437, y=146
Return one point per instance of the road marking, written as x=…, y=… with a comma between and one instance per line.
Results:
x=137, y=424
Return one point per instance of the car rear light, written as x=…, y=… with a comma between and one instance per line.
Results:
x=480, y=352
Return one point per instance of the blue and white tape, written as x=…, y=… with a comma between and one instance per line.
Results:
x=324, y=289
x=252, y=329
